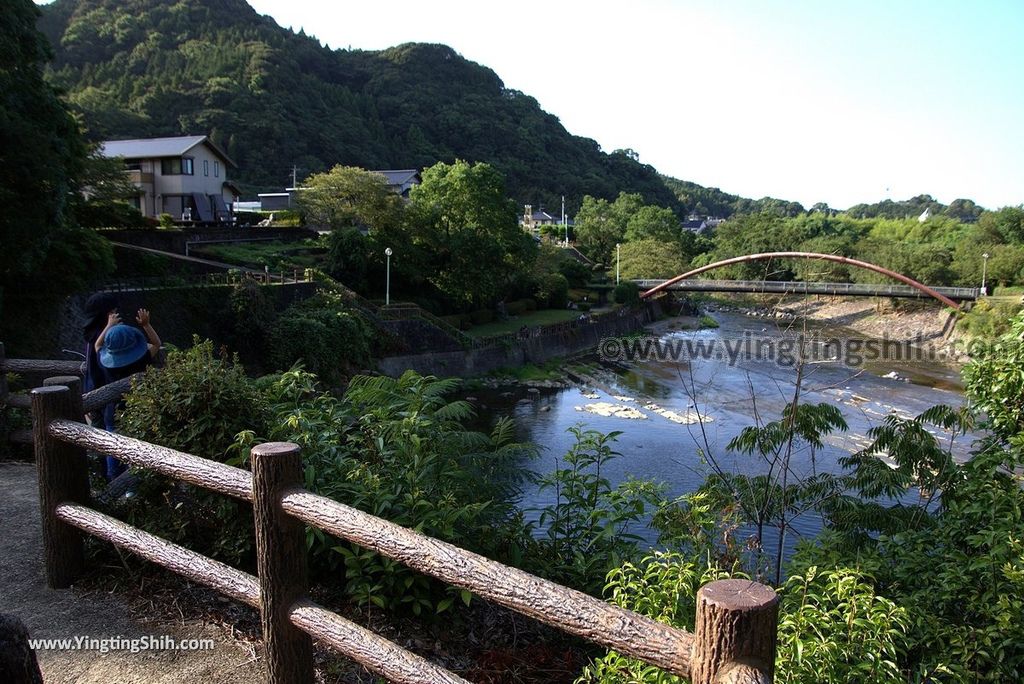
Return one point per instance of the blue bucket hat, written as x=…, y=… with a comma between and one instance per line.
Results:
x=123, y=345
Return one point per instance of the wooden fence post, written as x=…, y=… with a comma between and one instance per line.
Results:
x=73, y=383
x=63, y=476
x=280, y=561
x=3, y=375
x=736, y=633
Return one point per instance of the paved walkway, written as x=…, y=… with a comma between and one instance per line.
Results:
x=65, y=613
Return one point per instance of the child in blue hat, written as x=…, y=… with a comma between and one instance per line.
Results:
x=124, y=350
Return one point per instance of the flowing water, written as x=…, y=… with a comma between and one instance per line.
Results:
x=656, y=404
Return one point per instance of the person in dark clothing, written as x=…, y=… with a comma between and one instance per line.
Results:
x=124, y=350
x=98, y=309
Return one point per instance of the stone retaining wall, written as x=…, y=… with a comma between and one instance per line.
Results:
x=537, y=349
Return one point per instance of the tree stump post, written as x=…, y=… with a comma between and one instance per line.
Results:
x=736, y=633
x=280, y=561
x=72, y=382
x=63, y=476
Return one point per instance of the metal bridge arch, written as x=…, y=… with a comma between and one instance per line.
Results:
x=806, y=255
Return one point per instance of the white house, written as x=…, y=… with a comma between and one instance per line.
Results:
x=186, y=176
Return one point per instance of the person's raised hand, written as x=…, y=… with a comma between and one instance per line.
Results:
x=142, y=317
x=113, y=318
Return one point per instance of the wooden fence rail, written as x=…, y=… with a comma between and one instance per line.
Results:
x=736, y=620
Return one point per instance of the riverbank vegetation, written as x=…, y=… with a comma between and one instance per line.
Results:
x=940, y=250
x=928, y=589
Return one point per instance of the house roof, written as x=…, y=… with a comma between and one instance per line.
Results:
x=691, y=224
x=400, y=176
x=149, y=148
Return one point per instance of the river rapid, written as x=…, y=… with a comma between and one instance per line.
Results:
x=656, y=405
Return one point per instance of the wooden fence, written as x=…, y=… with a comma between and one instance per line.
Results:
x=736, y=620
x=70, y=375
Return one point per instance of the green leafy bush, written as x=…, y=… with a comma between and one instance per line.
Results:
x=197, y=403
x=589, y=529
x=398, y=449
x=328, y=336
x=109, y=215
x=987, y=320
x=553, y=290
x=626, y=292
x=833, y=627
x=995, y=382
x=577, y=273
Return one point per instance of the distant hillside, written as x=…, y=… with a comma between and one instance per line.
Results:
x=713, y=202
x=274, y=98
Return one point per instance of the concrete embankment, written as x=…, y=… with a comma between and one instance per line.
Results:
x=555, y=342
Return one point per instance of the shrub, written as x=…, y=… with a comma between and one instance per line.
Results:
x=109, y=215
x=626, y=292
x=331, y=339
x=398, y=449
x=577, y=273
x=833, y=628
x=988, y=320
x=553, y=290
x=588, y=529
x=583, y=306
x=197, y=403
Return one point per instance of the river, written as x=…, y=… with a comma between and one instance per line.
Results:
x=728, y=397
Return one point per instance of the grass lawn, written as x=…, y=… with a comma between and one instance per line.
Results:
x=276, y=254
x=545, y=317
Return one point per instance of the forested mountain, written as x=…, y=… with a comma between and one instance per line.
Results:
x=274, y=99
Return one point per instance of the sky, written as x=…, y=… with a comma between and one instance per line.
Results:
x=838, y=102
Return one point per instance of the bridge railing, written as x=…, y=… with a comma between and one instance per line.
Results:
x=801, y=287
x=736, y=620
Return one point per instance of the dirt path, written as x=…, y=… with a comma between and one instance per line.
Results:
x=70, y=613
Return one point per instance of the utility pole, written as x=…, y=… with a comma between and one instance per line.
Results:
x=616, y=263
x=294, y=170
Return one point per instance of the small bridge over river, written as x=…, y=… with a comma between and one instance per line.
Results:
x=797, y=287
x=909, y=287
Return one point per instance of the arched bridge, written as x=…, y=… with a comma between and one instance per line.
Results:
x=908, y=288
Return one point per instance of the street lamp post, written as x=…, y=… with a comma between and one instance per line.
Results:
x=984, y=272
x=387, y=282
x=616, y=263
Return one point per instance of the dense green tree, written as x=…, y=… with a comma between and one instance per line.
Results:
x=597, y=229
x=600, y=224
x=1006, y=264
x=41, y=151
x=467, y=225
x=1007, y=222
x=927, y=263
x=653, y=223
x=348, y=255
x=348, y=197
x=964, y=210
x=651, y=259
